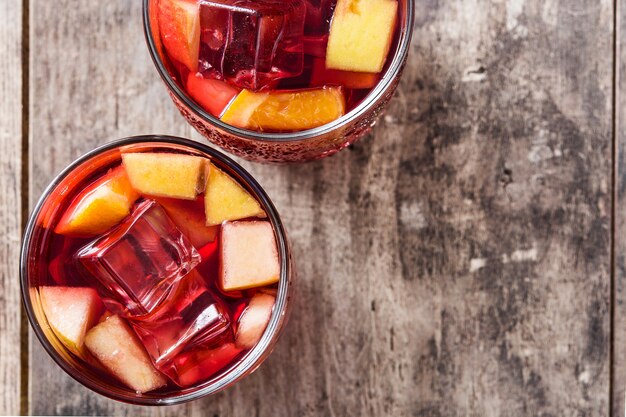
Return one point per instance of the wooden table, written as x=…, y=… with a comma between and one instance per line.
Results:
x=466, y=258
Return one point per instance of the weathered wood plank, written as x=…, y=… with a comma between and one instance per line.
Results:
x=619, y=299
x=10, y=203
x=455, y=262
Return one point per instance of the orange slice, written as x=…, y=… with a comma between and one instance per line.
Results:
x=285, y=110
x=102, y=205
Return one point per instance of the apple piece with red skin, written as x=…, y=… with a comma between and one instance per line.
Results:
x=71, y=312
x=115, y=345
x=204, y=364
x=153, y=20
x=189, y=217
x=179, y=25
x=212, y=95
x=100, y=206
x=254, y=319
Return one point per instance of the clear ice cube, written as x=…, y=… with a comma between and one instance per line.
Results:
x=252, y=43
x=140, y=261
x=192, y=316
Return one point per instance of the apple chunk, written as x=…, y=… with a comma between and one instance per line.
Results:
x=213, y=95
x=225, y=199
x=115, y=345
x=320, y=76
x=165, y=174
x=179, y=25
x=200, y=365
x=100, y=206
x=188, y=216
x=360, y=34
x=249, y=256
x=254, y=320
x=71, y=312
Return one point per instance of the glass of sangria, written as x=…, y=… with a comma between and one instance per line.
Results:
x=280, y=80
x=155, y=271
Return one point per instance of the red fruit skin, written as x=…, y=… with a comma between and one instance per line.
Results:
x=173, y=30
x=206, y=363
x=209, y=252
x=315, y=45
x=189, y=217
x=320, y=76
x=153, y=16
x=213, y=95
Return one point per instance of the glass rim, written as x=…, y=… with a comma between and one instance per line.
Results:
x=383, y=85
x=250, y=361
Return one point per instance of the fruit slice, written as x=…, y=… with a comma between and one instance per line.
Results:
x=153, y=19
x=249, y=256
x=51, y=208
x=254, y=320
x=360, y=34
x=225, y=199
x=320, y=75
x=188, y=216
x=206, y=364
x=71, y=312
x=102, y=205
x=285, y=110
x=114, y=344
x=212, y=95
x=165, y=174
x=315, y=45
x=179, y=24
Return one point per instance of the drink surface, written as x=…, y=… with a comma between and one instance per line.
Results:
x=275, y=65
x=157, y=270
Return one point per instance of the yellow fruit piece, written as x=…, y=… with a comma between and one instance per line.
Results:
x=100, y=206
x=285, y=110
x=115, y=345
x=105, y=209
x=165, y=174
x=360, y=34
x=225, y=199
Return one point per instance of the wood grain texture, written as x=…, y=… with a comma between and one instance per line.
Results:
x=10, y=203
x=619, y=299
x=454, y=262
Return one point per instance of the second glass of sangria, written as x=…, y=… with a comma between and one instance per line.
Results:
x=280, y=80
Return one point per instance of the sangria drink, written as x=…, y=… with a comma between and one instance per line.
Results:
x=279, y=71
x=155, y=267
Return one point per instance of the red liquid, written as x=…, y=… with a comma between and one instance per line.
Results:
x=262, y=46
x=190, y=333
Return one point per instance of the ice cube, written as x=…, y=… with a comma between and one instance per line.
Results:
x=192, y=316
x=141, y=260
x=252, y=43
